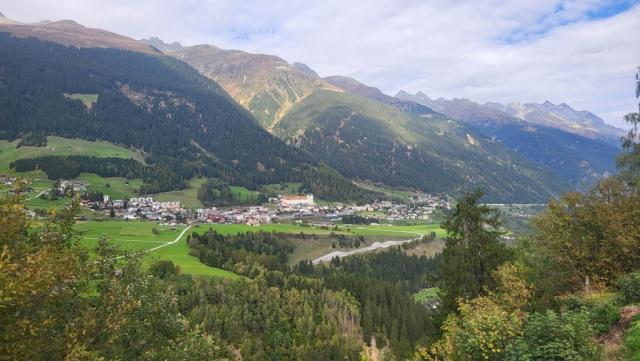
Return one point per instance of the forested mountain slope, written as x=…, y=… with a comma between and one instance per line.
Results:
x=365, y=139
x=156, y=104
x=355, y=87
x=578, y=159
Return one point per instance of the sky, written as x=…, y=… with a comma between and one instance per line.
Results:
x=581, y=52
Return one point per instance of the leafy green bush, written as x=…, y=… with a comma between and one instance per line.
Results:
x=629, y=286
x=550, y=336
x=632, y=342
x=164, y=269
x=603, y=316
x=603, y=312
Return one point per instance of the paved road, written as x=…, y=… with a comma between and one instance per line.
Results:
x=371, y=247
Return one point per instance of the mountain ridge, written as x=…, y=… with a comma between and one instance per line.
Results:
x=266, y=85
x=561, y=116
x=70, y=33
x=579, y=159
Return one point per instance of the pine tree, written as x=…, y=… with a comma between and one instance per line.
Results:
x=472, y=251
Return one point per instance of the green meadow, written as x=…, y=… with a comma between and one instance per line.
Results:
x=139, y=236
x=64, y=147
x=426, y=294
x=114, y=187
x=87, y=99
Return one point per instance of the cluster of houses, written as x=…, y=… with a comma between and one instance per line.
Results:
x=254, y=216
x=139, y=208
x=285, y=207
x=7, y=180
x=421, y=208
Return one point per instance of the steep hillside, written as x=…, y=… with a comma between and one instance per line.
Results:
x=461, y=109
x=70, y=33
x=266, y=85
x=369, y=140
x=579, y=160
x=355, y=87
x=186, y=123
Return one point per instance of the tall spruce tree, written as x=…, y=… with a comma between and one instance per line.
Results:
x=472, y=251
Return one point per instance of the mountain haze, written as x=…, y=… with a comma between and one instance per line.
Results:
x=355, y=87
x=578, y=159
x=563, y=116
x=369, y=140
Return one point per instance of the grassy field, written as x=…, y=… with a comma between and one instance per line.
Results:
x=243, y=194
x=139, y=236
x=289, y=188
x=87, y=99
x=63, y=146
x=426, y=294
x=396, y=194
x=189, y=196
x=428, y=249
x=118, y=188
x=421, y=229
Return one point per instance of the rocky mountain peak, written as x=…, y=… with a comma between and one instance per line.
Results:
x=161, y=45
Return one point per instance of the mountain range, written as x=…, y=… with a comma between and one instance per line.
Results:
x=403, y=141
x=579, y=159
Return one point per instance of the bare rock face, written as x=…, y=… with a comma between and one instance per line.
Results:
x=563, y=116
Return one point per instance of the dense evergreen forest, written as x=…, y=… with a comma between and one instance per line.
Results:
x=381, y=283
x=156, y=104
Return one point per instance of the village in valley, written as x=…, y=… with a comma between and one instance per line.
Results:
x=284, y=208
x=289, y=208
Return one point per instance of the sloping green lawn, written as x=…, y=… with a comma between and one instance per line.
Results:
x=426, y=294
x=139, y=236
x=64, y=147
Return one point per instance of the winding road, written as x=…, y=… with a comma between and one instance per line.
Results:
x=371, y=247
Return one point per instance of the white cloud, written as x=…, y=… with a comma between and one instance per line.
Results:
x=486, y=50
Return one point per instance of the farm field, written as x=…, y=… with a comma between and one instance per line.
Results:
x=189, y=197
x=87, y=99
x=139, y=236
x=275, y=227
x=63, y=146
x=421, y=229
x=118, y=189
x=114, y=187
